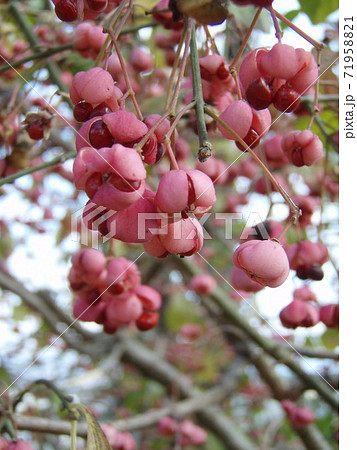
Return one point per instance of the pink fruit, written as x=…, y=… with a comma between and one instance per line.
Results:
x=185, y=191
x=305, y=294
x=303, y=148
x=299, y=314
x=192, y=434
x=238, y=116
x=89, y=263
x=123, y=309
x=301, y=417
x=135, y=223
x=264, y=261
x=167, y=426
x=183, y=237
x=329, y=315
x=94, y=86
x=125, y=127
x=243, y=282
x=141, y=60
x=123, y=275
x=215, y=168
x=94, y=312
x=202, y=284
x=149, y=297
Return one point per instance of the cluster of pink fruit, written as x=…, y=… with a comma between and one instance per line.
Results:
x=109, y=292
x=262, y=261
x=113, y=174
x=301, y=312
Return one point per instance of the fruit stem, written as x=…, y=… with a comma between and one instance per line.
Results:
x=295, y=211
x=278, y=32
x=245, y=40
x=205, y=147
x=126, y=75
x=304, y=35
x=173, y=161
x=234, y=63
x=173, y=70
x=176, y=93
x=316, y=109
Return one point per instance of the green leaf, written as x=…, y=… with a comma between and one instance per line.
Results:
x=318, y=10
x=330, y=339
x=96, y=439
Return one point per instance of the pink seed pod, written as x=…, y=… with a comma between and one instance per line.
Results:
x=214, y=66
x=301, y=417
x=89, y=263
x=243, y=282
x=89, y=312
x=154, y=247
x=123, y=275
x=264, y=261
x=88, y=39
x=274, y=63
x=185, y=191
x=274, y=152
x=183, y=237
x=308, y=74
x=162, y=129
x=329, y=315
x=202, y=284
x=305, y=294
x=249, y=71
x=133, y=224
x=259, y=128
x=238, y=116
x=190, y=331
x=113, y=178
x=123, y=309
x=149, y=297
x=94, y=86
x=192, y=434
x=299, y=314
x=215, y=168
x=306, y=253
x=288, y=406
x=125, y=127
x=167, y=426
x=140, y=60
x=303, y=148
